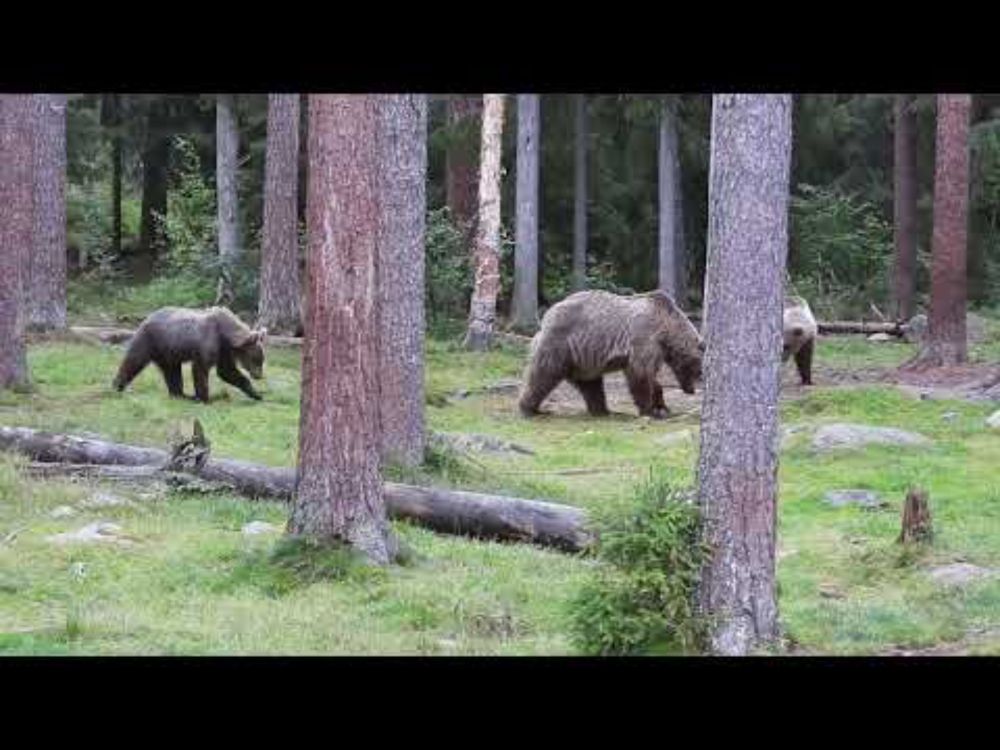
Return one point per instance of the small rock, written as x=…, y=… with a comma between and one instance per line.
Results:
x=104, y=500
x=63, y=511
x=959, y=574
x=863, y=498
x=78, y=570
x=949, y=416
x=993, y=420
x=102, y=531
x=830, y=591
x=672, y=438
x=447, y=643
x=259, y=527
x=783, y=553
x=480, y=443
x=878, y=337
x=836, y=436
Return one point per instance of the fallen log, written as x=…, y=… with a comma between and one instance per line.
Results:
x=448, y=511
x=827, y=327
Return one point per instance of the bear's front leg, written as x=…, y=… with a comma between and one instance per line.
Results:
x=643, y=387
x=228, y=372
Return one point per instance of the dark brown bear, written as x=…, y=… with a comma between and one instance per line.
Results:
x=592, y=333
x=206, y=338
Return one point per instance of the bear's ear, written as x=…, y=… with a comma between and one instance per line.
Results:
x=663, y=300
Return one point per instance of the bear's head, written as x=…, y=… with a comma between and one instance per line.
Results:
x=682, y=346
x=250, y=353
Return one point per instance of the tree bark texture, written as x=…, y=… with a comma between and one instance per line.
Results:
x=524, y=312
x=17, y=226
x=403, y=169
x=280, y=287
x=486, y=258
x=905, y=207
x=738, y=464
x=339, y=490
x=671, y=251
x=462, y=161
x=46, y=285
x=448, y=511
x=580, y=193
x=946, y=330
x=111, y=117
x=152, y=238
x=227, y=146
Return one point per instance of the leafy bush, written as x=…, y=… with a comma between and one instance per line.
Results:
x=840, y=253
x=448, y=284
x=641, y=599
x=189, y=225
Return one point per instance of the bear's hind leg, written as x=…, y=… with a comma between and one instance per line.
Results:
x=803, y=360
x=594, y=396
x=173, y=377
x=200, y=373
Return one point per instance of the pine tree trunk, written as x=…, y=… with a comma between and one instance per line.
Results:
x=486, y=258
x=338, y=489
x=46, y=283
x=670, y=235
x=403, y=162
x=111, y=117
x=580, y=194
x=524, y=313
x=280, y=290
x=462, y=161
x=946, y=335
x=738, y=464
x=16, y=229
x=227, y=147
x=905, y=207
x=155, y=157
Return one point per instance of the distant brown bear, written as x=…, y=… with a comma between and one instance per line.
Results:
x=592, y=333
x=799, y=332
x=206, y=338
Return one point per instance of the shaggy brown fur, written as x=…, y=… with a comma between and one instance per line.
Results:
x=799, y=332
x=206, y=338
x=592, y=333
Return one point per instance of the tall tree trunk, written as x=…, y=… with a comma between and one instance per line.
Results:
x=338, y=490
x=46, y=284
x=671, y=218
x=462, y=161
x=152, y=238
x=486, y=258
x=227, y=147
x=738, y=464
x=946, y=334
x=524, y=313
x=303, y=154
x=16, y=229
x=905, y=207
x=580, y=194
x=403, y=171
x=111, y=117
x=280, y=290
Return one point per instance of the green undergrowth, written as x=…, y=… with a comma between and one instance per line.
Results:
x=192, y=583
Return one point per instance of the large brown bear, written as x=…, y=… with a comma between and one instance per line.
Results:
x=592, y=333
x=799, y=330
x=206, y=338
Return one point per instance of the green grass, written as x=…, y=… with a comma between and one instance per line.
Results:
x=195, y=585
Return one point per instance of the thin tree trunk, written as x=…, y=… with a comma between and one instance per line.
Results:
x=227, y=146
x=403, y=170
x=486, y=258
x=16, y=229
x=524, y=313
x=580, y=194
x=111, y=117
x=738, y=464
x=671, y=252
x=946, y=332
x=155, y=156
x=905, y=207
x=47, y=262
x=280, y=289
x=462, y=161
x=339, y=490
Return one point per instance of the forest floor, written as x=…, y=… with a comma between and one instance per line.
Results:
x=185, y=578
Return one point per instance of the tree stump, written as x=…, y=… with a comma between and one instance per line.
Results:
x=916, y=518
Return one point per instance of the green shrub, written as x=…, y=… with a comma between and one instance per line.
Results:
x=641, y=597
x=448, y=284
